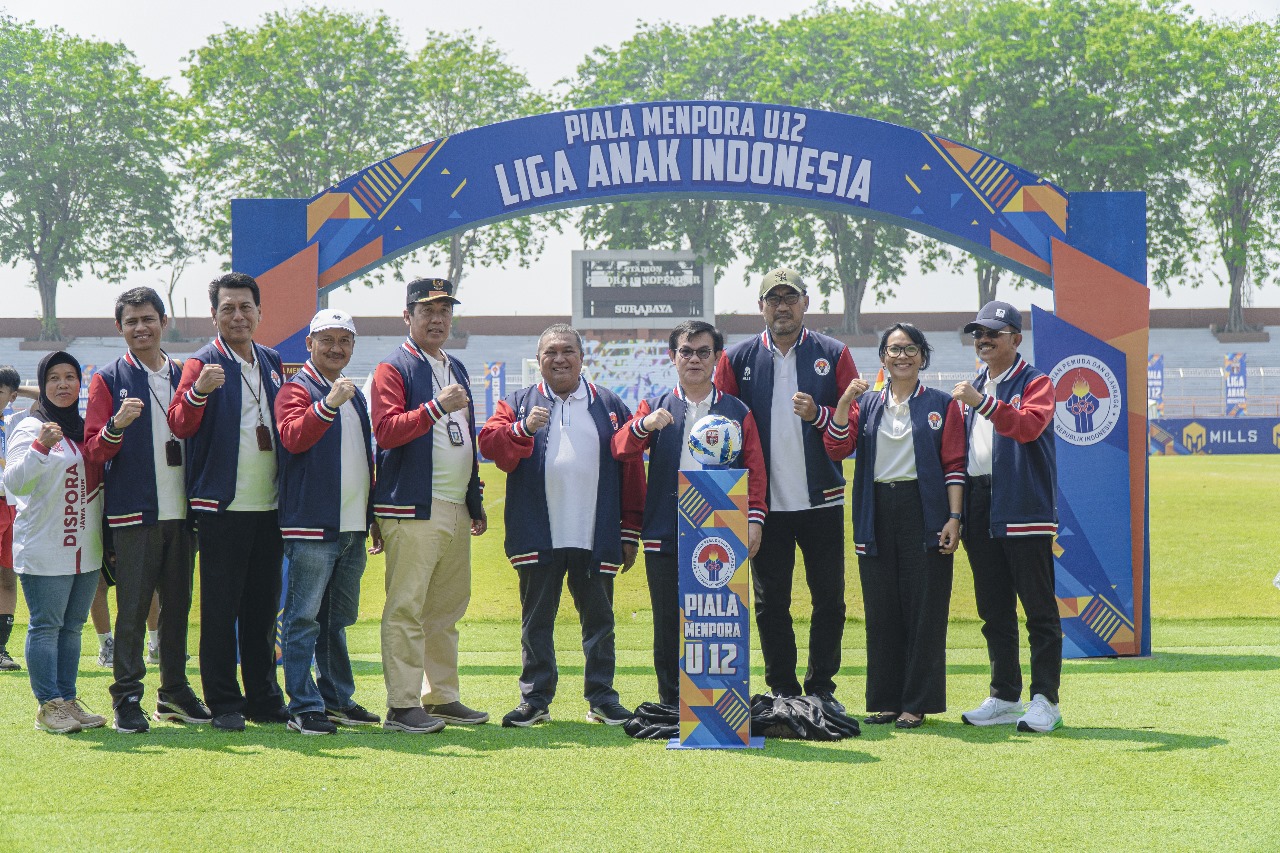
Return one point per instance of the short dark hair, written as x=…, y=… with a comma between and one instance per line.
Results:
x=138, y=297
x=9, y=377
x=689, y=328
x=917, y=338
x=233, y=280
x=563, y=329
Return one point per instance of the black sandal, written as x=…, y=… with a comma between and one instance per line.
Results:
x=881, y=718
x=909, y=724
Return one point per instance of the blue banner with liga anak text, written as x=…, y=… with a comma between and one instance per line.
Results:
x=1094, y=575
x=1235, y=378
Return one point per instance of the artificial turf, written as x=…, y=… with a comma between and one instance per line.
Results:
x=1177, y=751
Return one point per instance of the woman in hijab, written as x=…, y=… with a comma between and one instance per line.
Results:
x=57, y=539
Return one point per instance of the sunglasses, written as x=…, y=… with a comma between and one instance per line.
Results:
x=989, y=334
x=702, y=353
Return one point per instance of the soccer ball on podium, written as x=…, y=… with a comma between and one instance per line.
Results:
x=715, y=441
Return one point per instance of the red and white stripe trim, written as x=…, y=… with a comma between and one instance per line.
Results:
x=755, y=516
x=517, y=428
x=315, y=533
x=111, y=437
x=221, y=347
x=522, y=560
x=1033, y=528
x=988, y=406
x=609, y=568
x=860, y=550
x=837, y=431
x=124, y=520
x=651, y=545
x=204, y=505
x=823, y=418
x=324, y=412
x=835, y=495
x=434, y=409
x=768, y=339
x=955, y=478
x=195, y=398
x=630, y=536
x=394, y=511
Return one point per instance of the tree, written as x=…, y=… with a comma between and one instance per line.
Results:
x=461, y=82
x=1235, y=109
x=842, y=60
x=290, y=107
x=83, y=154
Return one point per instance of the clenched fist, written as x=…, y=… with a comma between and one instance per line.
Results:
x=452, y=397
x=539, y=417
x=656, y=420
x=211, y=377
x=130, y=408
x=343, y=390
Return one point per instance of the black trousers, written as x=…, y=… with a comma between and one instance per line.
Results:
x=820, y=535
x=592, y=591
x=664, y=596
x=152, y=557
x=240, y=557
x=906, y=594
x=1007, y=570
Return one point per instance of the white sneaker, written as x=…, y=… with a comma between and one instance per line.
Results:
x=1042, y=716
x=993, y=712
x=107, y=652
x=153, y=655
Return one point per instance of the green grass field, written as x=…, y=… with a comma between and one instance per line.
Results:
x=1176, y=752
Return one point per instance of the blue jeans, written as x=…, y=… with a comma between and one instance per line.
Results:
x=59, y=604
x=322, y=598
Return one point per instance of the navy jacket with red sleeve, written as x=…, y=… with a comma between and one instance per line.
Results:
x=619, y=498
x=660, y=531
x=129, y=456
x=938, y=435
x=311, y=457
x=824, y=368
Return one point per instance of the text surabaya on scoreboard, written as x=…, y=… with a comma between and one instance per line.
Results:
x=750, y=145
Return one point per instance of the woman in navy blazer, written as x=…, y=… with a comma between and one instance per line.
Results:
x=908, y=490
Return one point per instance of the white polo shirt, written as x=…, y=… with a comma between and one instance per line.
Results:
x=895, y=447
x=354, y=475
x=984, y=431
x=788, y=477
x=693, y=412
x=171, y=490
x=255, y=469
x=572, y=471
x=450, y=463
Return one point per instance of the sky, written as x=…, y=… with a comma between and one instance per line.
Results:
x=547, y=41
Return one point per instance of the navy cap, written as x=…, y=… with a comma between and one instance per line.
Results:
x=430, y=289
x=996, y=315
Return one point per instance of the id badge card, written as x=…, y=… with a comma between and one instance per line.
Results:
x=173, y=453
x=455, y=434
x=264, y=437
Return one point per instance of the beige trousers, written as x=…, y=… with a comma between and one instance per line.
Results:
x=428, y=587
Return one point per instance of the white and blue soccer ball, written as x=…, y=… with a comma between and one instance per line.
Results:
x=715, y=441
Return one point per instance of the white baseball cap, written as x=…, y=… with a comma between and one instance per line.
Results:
x=332, y=318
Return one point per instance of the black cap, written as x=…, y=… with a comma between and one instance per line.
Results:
x=431, y=289
x=996, y=315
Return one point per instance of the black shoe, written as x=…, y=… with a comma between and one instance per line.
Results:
x=232, y=721
x=353, y=716
x=525, y=715
x=7, y=663
x=610, y=713
x=882, y=718
x=130, y=718
x=457, y=713
x=187, y=709
x=904, y=723
x=415, y=721
x=312, y=723
x=829, y=700
x=278, y=714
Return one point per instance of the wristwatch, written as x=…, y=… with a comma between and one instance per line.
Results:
x=955, y=515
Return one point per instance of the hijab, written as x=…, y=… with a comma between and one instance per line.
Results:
x=67, y=417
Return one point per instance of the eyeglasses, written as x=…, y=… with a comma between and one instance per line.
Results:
x=989, y=334
x=702, y=353
x=773, y=299
x=895, y=350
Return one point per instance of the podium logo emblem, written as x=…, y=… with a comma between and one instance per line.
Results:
x=713, y=562
x=1087, y=397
